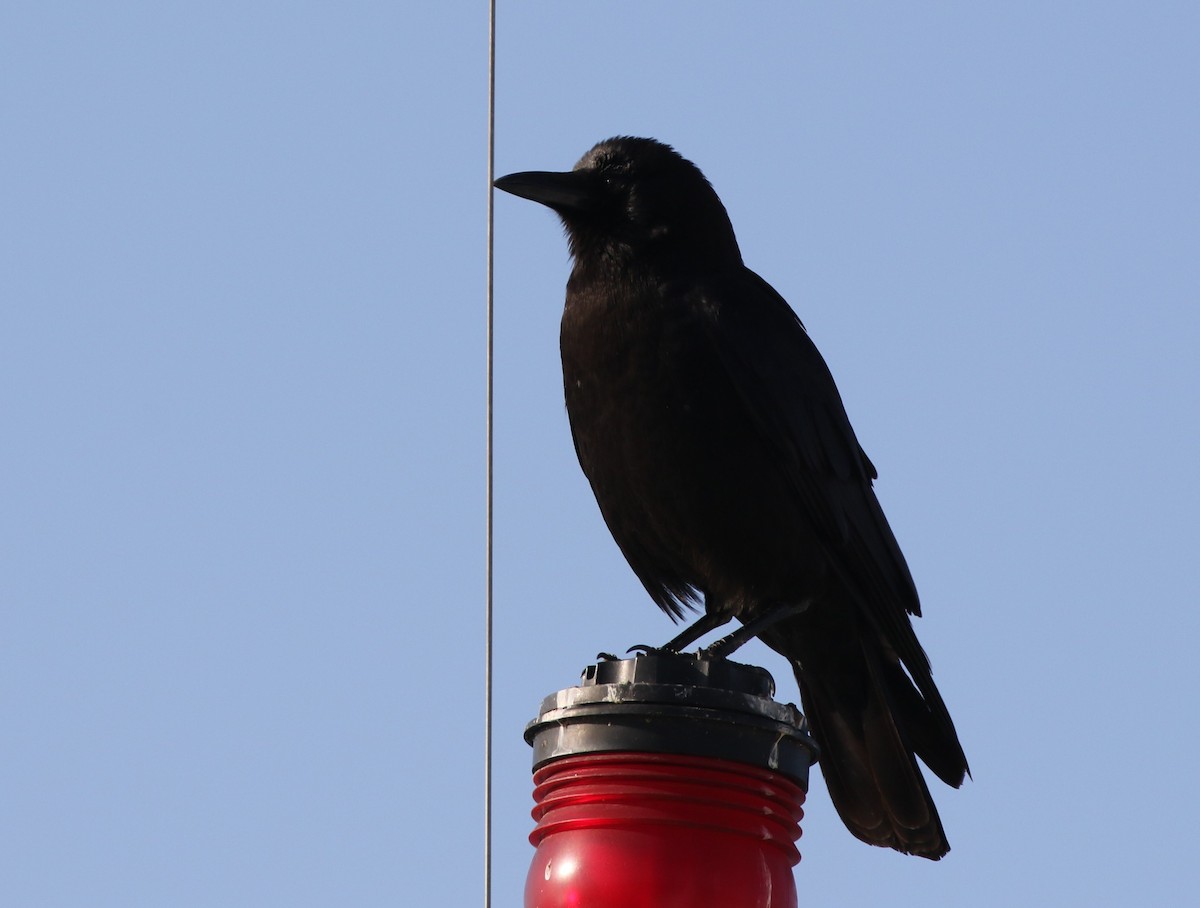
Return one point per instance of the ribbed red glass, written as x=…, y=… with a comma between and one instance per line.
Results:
x=662, y=831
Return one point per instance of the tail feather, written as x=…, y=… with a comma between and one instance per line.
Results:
x=870, y=723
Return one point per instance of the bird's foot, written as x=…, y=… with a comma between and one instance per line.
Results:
x=607, y=657
x=723, y=647
x=644, y=650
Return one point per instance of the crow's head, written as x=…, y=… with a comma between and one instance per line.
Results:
x=633, y=197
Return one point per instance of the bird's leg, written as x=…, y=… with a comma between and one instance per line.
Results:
x=689, y=635
x=707, y=622
x=726, y=646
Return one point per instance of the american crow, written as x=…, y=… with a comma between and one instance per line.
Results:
x=720, y=454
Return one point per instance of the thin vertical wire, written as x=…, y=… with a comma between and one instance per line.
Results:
x=487, y=608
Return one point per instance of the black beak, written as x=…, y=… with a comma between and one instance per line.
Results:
x=575, y=190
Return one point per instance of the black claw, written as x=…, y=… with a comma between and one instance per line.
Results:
x=644, y=649
x=607, y=657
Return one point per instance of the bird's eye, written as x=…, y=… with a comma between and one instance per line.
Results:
x=616, y=175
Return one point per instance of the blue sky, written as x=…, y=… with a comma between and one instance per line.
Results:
x=241, y=385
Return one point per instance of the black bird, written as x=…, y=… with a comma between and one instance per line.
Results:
x=722, y=459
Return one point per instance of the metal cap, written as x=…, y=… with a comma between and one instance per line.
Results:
x=662, y=702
